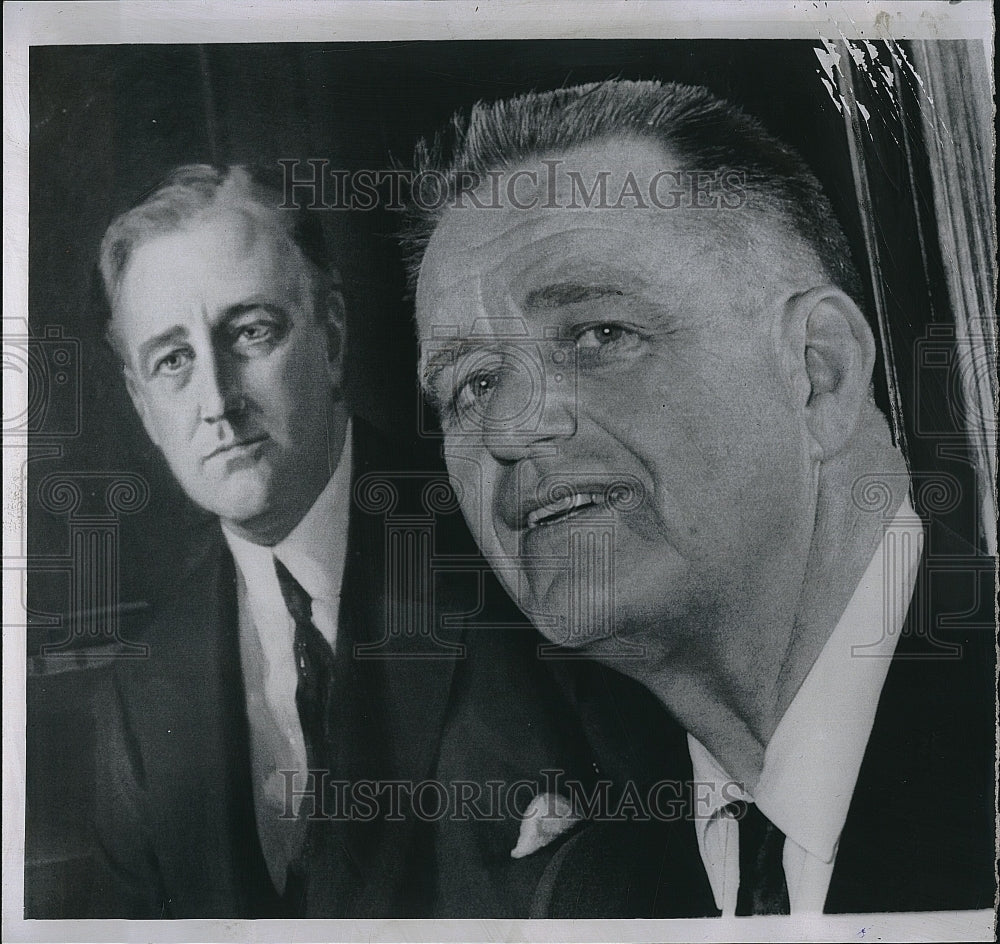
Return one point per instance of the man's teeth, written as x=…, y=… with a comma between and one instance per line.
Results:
x=557, y=510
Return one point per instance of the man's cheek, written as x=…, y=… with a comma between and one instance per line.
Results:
x=464, y=475
x=166, y=438
x=476, y=516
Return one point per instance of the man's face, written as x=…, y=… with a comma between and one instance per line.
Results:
x=229, y=366
x=650, y=482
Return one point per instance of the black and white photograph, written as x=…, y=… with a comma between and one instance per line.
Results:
x=499, y=471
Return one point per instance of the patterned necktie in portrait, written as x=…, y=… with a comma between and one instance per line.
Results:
x=309, y=877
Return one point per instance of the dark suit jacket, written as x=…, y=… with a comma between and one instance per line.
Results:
x=174, y=817
x=919, y=835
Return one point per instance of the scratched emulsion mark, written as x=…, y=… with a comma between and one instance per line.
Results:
x=881, y=64
x=868, y=82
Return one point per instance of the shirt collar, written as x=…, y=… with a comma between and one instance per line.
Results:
x=812, y=761
x=313, y=552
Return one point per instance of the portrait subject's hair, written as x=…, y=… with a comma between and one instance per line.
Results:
x=190, y=192
x=698, y=131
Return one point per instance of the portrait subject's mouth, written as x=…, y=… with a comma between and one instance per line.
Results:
x=236, y=449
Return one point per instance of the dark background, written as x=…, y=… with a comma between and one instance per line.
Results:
x=108, y=121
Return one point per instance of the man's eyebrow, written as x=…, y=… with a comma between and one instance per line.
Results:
x=445, y=354
x=251, y=304
x=569, y=293
x=170, y=336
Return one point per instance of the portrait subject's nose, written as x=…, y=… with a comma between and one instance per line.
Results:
x=218, y=389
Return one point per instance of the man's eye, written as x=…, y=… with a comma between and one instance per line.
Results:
x=173, y=362
x=609, y=340
x=256, y=337
x=475, y=388
x=256, y=332
x=599, y=335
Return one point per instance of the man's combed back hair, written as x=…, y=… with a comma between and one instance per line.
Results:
x=699, y=131
x=191, y=191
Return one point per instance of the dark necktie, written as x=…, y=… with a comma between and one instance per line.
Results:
x=315, y=666
x=763, y=890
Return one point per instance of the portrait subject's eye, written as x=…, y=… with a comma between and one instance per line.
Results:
x=256, y=333
x=173, y=362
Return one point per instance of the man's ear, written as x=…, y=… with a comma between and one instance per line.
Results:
x=139, y=402
x=833, y=360
x=331, y=315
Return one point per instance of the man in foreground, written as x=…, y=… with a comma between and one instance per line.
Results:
x=283, y=750
x=641, y=328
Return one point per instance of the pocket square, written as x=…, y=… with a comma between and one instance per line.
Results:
x=547, y=816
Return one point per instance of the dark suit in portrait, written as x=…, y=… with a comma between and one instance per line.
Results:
x=176, y=818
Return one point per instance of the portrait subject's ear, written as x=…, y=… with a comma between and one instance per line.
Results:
x=139, y=402
x=835, y=356
x=332, y=316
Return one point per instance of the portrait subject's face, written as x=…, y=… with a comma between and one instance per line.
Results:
x=230, y=367
x=616, y=418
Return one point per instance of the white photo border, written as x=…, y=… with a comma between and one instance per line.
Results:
x=193, y=21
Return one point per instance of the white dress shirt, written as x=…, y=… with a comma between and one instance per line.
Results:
x=314, y=554
x=812, y=761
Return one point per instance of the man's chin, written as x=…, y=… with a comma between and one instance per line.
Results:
x=246, y=511
x=609, y=645
x=611, y=625
x=578, y=621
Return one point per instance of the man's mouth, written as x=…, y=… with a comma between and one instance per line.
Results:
x=236, y=447
x=562, y=509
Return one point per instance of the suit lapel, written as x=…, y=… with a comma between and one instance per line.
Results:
x=191, y=711
x=401, y=684
x=917, y=835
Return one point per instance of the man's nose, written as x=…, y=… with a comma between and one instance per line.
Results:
x=219, y=390
x=528, y=411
